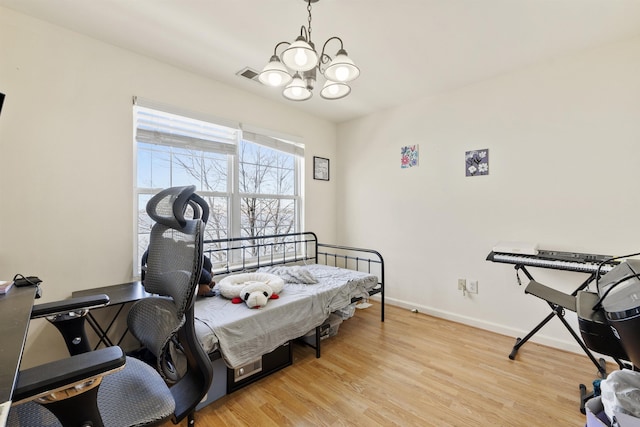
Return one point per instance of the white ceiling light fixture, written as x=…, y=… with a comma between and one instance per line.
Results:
x=295, y=67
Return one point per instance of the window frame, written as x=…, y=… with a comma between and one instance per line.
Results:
x=264, y=138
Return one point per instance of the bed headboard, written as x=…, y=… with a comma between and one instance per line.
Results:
x=241, y=254
x=244, y=254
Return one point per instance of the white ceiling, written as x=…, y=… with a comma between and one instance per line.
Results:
x=405, y=49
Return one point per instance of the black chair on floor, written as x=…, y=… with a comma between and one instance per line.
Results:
x=599, y=337
x=610, y=318
x=107, y=388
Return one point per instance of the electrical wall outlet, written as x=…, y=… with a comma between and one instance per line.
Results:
x=473, y=287
x=462, y=284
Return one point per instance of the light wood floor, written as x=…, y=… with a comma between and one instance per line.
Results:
x=412, y=370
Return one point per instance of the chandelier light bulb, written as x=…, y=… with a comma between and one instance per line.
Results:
x=300, y=55
x=275, y=79
x=341, y=68
x=274, y=73
x=297, y=90
x=342, y=73
x=334, y=90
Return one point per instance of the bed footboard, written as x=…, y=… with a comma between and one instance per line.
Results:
x=358, y=259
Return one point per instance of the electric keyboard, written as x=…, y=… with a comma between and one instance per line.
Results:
x=558, y=301
x=569, y=261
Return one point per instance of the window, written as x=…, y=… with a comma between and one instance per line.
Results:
x=251, y=181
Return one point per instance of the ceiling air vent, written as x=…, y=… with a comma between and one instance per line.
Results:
x=248, y=73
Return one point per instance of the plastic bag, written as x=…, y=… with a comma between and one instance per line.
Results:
x=621, y=393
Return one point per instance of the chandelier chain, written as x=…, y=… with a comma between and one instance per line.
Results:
x=309, y=19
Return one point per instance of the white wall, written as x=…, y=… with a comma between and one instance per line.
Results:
x=66, y=153
x=564, y=151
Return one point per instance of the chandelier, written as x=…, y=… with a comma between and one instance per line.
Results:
x=296, y=67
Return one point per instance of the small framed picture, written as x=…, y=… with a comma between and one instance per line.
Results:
x=409, y=156
x=320, y=168
x=477, y=162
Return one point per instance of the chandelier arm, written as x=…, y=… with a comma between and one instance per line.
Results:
x=324, y=60
x=306, y=34
x=275, y=49
x=324, y=46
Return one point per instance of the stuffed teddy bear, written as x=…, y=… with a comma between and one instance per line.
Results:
x=255, y=289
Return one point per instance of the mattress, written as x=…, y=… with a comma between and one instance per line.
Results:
x=242, y=334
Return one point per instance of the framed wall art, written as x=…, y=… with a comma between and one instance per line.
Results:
x=476, y=162
x=409, y=156
x=320, y=168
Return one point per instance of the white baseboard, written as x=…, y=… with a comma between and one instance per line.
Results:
x=539, y=337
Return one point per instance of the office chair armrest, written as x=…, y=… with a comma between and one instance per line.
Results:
x=69, y=305
x=67, y=373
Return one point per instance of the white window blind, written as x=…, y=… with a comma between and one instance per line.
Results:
x=163, y=125
x=157, y=127
x=274, y=143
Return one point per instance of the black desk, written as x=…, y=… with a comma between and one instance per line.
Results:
x=119, y=295
x=15, y=313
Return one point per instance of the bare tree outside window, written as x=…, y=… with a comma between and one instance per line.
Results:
x=266, y=178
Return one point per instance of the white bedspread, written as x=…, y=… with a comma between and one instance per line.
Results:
x=243, y=334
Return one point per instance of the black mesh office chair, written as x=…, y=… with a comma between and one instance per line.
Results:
x=105, y=388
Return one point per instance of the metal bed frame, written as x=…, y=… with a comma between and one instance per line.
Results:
x=247, y=254
x=243, y=254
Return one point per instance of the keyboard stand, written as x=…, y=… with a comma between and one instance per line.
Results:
x=559, y=302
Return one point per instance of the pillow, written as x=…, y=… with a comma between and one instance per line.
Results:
x=291, y=274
